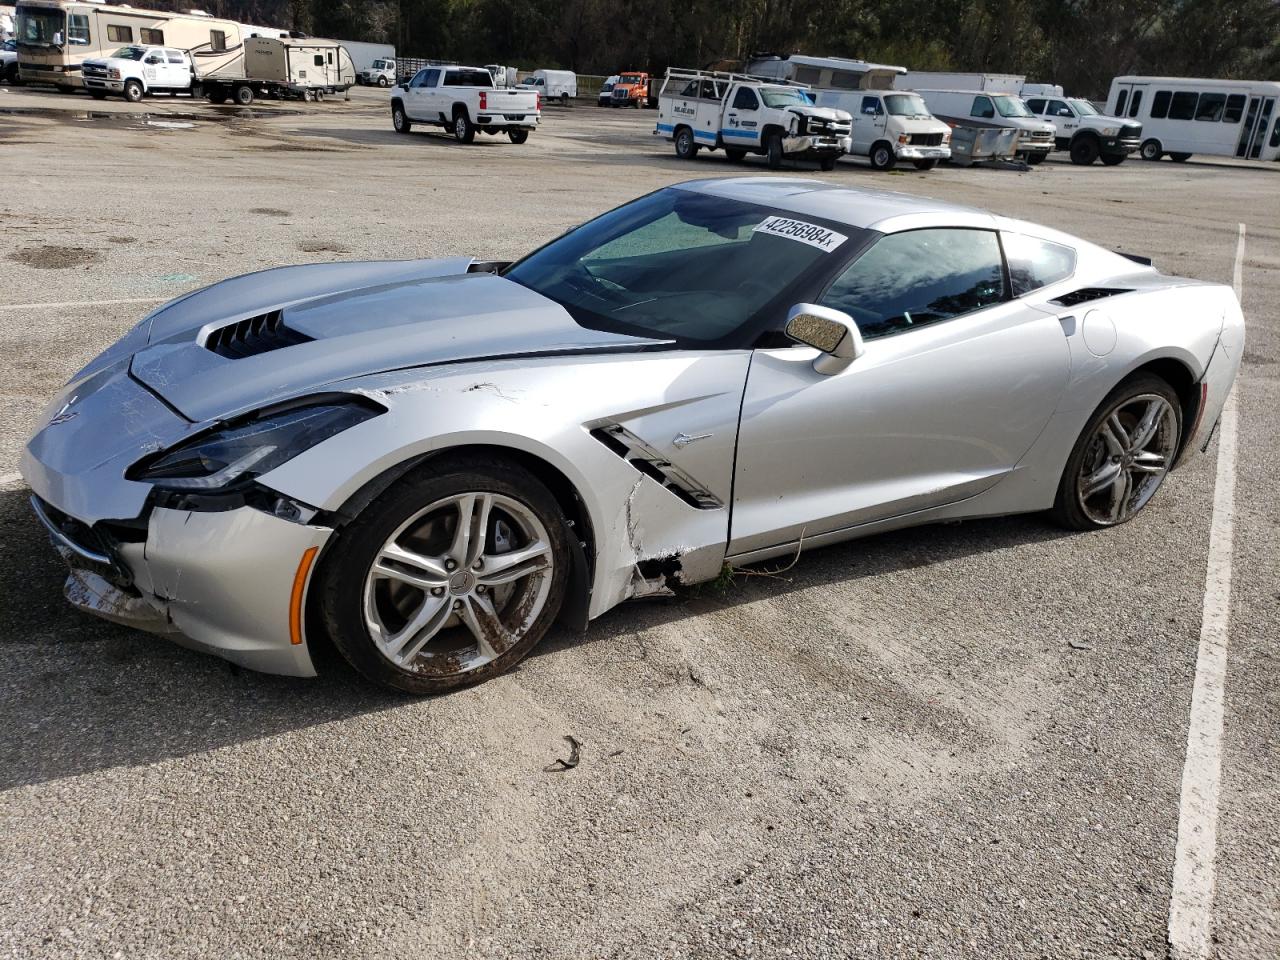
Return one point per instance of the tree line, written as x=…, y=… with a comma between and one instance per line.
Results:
x=1080, y=44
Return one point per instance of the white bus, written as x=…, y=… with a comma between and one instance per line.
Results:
x=1182, y=116
x=55, y=37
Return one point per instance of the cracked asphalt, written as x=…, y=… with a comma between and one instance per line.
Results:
x=956, y=741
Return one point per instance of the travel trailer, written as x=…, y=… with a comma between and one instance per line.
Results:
x=308, y=68
x=823, y=73
x=55, y=37
x=980, y=82
x=1183, y=116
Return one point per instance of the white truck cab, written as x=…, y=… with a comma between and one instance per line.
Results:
x=1086, y=133
x=380, y=73
x=739, y=114
x=136, y=70
x=892, y=125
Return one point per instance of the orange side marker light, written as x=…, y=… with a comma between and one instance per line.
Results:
x=299, y=588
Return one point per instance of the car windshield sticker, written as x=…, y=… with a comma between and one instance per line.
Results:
x=809, y=233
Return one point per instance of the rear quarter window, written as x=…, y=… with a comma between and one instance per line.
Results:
x=1035, y=263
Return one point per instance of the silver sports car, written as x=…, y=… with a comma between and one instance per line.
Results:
x=428, y=462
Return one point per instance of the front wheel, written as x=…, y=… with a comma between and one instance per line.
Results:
x=449, y=578
x=464, y=131
x=518, y=135
x=382, y=81
x=882, y=157
x=924, y=164
x=1084, y=150
x=1126, y=450
x=773, y=151
x=686, y=146
x=1151, y=150
x=399, y=119
x=133, y=91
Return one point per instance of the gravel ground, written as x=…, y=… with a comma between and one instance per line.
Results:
x=959, y=741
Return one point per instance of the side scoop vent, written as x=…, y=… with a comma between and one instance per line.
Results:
x=1085, y=294
x=653, y=464
x=255, y=335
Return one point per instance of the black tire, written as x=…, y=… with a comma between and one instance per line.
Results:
x=1037, y=158
x=1179, y=157
x=924, y=164
x=98, y=94
x=518, y=135
x=133, y=91
x=882, y=156
x=827, y=164
x=382, y=81
x=1113, y=159
x=1084, y=150
x=244, y=94
x=400, y=121
x=217, y=95
x=1151, y=149
x=1067, y=510
x=464, y=131
x=686, y=145
x=735, y=155
x=339, y=582
x=564, y=99
x=773, y=150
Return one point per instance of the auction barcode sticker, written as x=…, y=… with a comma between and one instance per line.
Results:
x=809, y=233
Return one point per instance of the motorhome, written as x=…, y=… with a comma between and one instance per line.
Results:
x=824, y=73
x=1183, y=116
x=967, y=108
x=55, y=37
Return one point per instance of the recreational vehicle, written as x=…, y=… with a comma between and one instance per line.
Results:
x=55, y=37
x=824, y=73
x=292, y=66
x=1181, y=116
x=978, y=82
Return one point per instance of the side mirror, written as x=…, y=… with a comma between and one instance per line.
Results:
x=831, y=331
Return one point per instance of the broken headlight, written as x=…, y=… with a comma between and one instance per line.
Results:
x=235, y=453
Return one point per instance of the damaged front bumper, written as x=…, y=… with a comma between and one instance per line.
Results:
x=231, y=583
x=817, y=144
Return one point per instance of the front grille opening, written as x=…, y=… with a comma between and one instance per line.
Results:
x=255, y=335
x=1085, y=294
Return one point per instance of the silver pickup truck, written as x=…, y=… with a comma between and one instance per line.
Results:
x=465, y=101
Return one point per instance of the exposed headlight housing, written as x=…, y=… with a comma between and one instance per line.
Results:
x=233, y=454
x=1110, y=131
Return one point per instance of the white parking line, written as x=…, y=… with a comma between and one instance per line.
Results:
x=8, y=480
x=1191, y=903
x=79, y=303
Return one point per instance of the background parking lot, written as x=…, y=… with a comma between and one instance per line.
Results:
x=963, y=740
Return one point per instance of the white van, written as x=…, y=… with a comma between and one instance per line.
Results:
x=965, y=108
x=891, y=125
x=559, y=85
x=1182, y=116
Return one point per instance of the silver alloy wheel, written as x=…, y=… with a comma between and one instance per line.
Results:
x=397, y=118
x=1127, y=458
x=460, y=127
x=458, y=583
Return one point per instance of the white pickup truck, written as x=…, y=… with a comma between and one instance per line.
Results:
x=700, y=109
x=465, y=101
x=1087, y=134
x=134, y=71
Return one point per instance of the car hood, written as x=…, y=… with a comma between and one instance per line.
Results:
x=112, y=62
x=342, y=321
x=822, y=113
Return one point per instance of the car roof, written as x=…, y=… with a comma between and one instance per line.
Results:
x=882, y=210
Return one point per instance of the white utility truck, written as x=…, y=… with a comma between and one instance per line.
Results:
x=1087, y=134
x=740, y=114
x=559, y=85
x=891, y=125
x=464, y=101
x=134, y=71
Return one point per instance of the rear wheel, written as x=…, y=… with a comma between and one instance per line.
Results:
x=518, y=135
x=882, y=156
x=1151, y=149
x=1122, y=456
x=449, y=578
x=686, y=146
x=464, y=131
x=924, y=164
x=1084, y=150
x=244, y=94
x=773, y=150
x=1179, y=157
x=399, y=119
x=133, y=91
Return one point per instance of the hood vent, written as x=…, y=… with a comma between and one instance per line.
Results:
x=248, y=338
x=1085, y=294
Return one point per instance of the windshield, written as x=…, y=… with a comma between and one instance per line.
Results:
x=678, y=265
x=1084, y=108
x=906, y=105
x=35, y=27
x=631, y=78
x=784, y=96
x=130, y=53
x=1012, y=107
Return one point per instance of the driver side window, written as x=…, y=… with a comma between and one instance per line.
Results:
x=983, y=107
x=918, y=278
